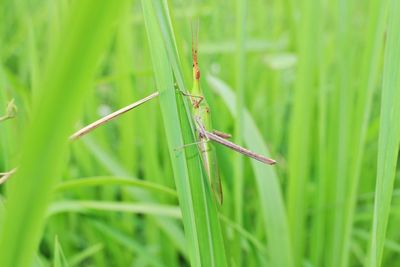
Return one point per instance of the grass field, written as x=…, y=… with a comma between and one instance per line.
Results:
x=312, y=84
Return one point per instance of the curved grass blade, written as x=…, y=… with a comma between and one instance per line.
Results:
x=126, y=241
x=112, y=180
x=78, y=259
x=271, y=200
x=85, y=206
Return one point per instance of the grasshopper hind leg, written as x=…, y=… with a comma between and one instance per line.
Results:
x=222, y=134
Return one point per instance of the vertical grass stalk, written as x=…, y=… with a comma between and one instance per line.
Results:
x=299, y=158
x=389, y=137
x=199, y=213
x=240, y=70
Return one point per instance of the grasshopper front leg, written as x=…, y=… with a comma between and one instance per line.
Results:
x=196, y=103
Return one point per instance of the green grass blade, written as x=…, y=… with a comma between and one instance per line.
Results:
x=65, y=81
x=112, y=180
x=59, y=257
x=301, y=122
x=361, y=115
x=126, y=241
x=270, y=194
x=2, y=212
x=245, y=234
x=108, y=161
x=123, y=66
x=78, y=259
x=84, y=206
x=199, y=212
x=5, y=140
x=240, y=72
x=389, y=137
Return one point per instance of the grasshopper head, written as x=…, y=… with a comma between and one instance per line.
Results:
x=196, y=70
x=195, y=44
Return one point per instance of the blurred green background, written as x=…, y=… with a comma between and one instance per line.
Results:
x=312, y=84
